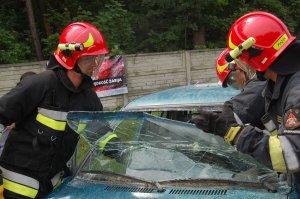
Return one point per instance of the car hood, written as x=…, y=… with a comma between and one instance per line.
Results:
x=78, y=188
x=179, y=98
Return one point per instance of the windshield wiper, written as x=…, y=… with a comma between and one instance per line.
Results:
x=223, y=182
x=116, y=176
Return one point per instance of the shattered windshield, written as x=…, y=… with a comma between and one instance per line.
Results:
x=155, y=149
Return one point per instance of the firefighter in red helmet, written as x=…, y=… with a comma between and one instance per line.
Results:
x=230, y=74
x=243, y=108
x=262, y=41
x=37, y=150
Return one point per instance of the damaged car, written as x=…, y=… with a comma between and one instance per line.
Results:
x=157, y=156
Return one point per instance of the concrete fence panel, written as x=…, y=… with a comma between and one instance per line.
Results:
x=145, y=73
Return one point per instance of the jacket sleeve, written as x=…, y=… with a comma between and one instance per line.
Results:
x=278, y=149
x=249, y=106
x=254, y=142
x=22, y=100
x=224, y=120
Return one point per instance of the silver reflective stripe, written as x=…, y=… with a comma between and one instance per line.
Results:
x=56, y=115
x=20, y=178
x=290, y=157
x=56, y=179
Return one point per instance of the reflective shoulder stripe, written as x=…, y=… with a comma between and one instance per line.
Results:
x=51, y=123
x=103, y=142
x=56, y=115
x=276, y=154
x=19, y=189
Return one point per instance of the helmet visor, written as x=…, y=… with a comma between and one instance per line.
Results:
x=236, y=79
x=96, y=70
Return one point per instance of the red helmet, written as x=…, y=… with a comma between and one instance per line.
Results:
x=270, y=34
x=79, y=39
x=222, y=69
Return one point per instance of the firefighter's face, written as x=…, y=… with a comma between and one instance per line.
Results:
x=88, y=64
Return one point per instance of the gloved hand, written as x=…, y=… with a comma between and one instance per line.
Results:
x=204, y=120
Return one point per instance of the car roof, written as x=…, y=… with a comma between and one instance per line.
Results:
x=183, y=98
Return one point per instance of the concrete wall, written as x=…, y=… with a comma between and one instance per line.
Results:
x=146, y=73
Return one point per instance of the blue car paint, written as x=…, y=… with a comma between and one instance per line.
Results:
x=77, y=188
x=183, y=96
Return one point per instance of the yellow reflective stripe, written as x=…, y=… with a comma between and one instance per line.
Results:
x=276, y=154
x=19, y=189
x=231, y=134
x=51, y=123
x=58, y=184
x=1, y=192
x=103, y=142
x=81, y=127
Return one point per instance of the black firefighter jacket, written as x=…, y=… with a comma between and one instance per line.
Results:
x=40, y=146
x=280, y=150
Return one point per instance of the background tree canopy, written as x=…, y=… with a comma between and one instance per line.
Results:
x=130, y=26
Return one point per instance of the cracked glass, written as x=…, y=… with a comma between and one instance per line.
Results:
x=154, y=149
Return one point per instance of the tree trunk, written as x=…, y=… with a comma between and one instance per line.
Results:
x=199, y=38
x=35, y=37
x=41, y=10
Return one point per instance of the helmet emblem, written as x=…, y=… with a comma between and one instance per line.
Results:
x=89, y=42
x=222, y=68
x=231, y=45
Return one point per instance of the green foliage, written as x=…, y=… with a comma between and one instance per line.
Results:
x=12, y=50
x=114, y=22
x=133, y=26
x=50, y=44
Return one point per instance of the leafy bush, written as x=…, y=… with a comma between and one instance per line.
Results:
x=12, y=50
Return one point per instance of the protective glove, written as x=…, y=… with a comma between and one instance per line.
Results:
x=204, y=120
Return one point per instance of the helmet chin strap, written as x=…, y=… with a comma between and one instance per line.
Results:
x=260, y=75
x=77, y=70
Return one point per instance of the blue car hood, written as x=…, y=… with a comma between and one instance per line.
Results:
x=77, y=188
